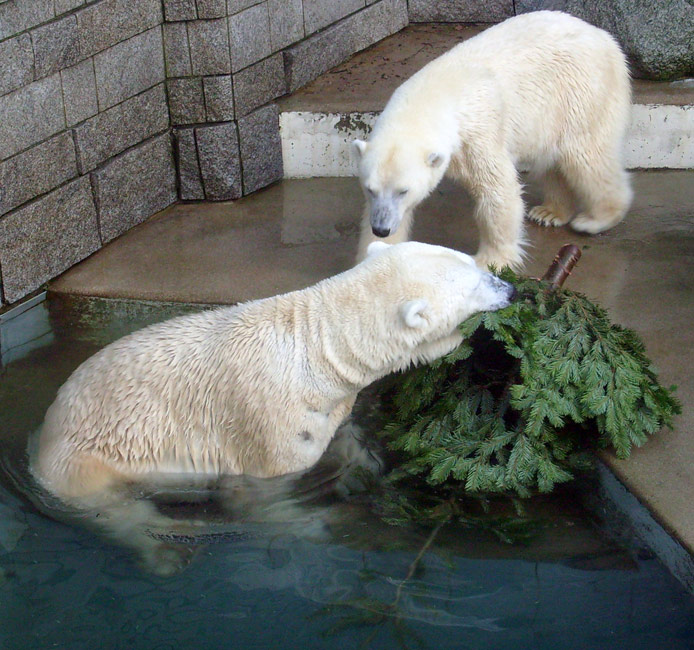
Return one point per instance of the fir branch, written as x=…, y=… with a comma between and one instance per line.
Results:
x=529, y=391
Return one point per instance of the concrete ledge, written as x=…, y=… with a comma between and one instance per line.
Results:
x=319, y=144
x=660, y=136
x=615, y=502
x=20, y=333
x=318, y=123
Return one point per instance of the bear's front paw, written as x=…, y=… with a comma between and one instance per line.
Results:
x=512, y=258
x=545, y=217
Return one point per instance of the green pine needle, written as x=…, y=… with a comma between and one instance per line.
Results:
x=517, y=406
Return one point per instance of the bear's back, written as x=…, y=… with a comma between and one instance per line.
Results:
x=537, y=38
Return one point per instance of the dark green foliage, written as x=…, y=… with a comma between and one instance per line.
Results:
x=532, y=389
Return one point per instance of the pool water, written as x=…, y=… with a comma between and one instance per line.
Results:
x=301, y=562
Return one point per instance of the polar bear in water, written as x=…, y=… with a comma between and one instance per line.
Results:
x=257, y=389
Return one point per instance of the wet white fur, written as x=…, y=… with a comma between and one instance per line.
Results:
x=545, y=89
x=259, y=388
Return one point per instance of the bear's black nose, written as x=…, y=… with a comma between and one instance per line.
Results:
x=380, y=232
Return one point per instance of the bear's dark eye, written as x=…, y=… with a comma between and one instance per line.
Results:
x=401, y=192
x=370, y=191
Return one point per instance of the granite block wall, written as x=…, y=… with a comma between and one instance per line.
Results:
x=111, y=110
x=460, y=11
x=83, y=112
x=656, y=35
x=226, y=66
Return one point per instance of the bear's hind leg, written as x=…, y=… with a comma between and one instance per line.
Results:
x=558, y=200
x=604, y=191
x=102, y=498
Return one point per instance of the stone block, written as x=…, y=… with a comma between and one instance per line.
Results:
x=261, y=148
x=524, y=6
x=219, y=98
x=129, y=68
x=259, y=84
x=20, y=15
x=658, y=37
x=218, y=155
x=79, y=92
x=189, y=179
x=234, y=6
x=319, y=13
x=186, y=100
x=124, y=125
x=324, y=50
x=46, y=237
x=37, y=171
x=286, y=22
x=460, y=11
x=209, y=47
x=179, y=10
x=30, y=114
x=56, y=46
x=249, y=36
x=17, y=69
x=177, y=50
x=63, y=6
x=211, y=8
x=378, y=21
x=106, y=23
x=135, y=185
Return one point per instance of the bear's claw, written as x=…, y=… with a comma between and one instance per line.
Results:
x=546, y=217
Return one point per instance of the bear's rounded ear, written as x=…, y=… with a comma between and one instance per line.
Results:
x=376, y=247
x=413, y=313
x=360, y=147
x=434, y=160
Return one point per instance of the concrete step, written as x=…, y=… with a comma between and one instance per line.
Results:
x=318, y=122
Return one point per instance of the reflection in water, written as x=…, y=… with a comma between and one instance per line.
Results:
x=297, y=561
x=166, y=519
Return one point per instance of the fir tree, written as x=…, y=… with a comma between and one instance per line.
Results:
x=533, y=388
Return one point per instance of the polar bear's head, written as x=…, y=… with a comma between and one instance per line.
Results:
x=425, y=292
x=396, y=178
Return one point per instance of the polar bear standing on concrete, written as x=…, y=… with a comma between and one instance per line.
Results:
x=542, y=89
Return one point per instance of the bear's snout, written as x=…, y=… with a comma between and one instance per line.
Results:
x=506, y=288
x=384, y=216
x=504, y=291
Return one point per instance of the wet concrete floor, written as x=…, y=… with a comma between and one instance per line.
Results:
x=296, y=232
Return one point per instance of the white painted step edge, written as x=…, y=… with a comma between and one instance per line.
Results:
x=319, y=144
